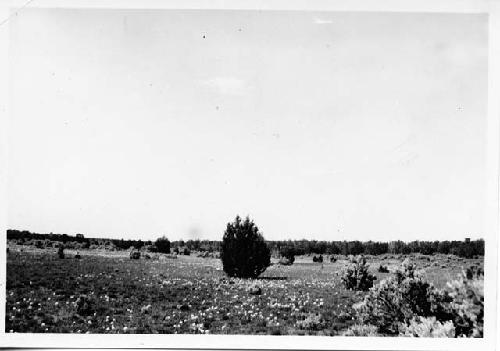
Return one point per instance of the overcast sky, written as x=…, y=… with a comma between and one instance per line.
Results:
x=328, y=126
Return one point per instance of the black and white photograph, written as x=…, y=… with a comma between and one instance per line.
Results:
x=319, y=174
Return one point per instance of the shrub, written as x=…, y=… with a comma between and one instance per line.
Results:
x=311, y=322
x=288, y=254
x=285, y=261
x=162, y=245
x=361, y=330
x=135, y=255
x=333, y=259
x=244, y=252
x=398, y=299
x=151, y=248
x=255, y=290
x=356, y=276
x=383, y=269
x=318, y=259
x=85, y=305
x=168, y=256
x=473, y=272
x=467, y=305
x=60, y=251
x=427, y=328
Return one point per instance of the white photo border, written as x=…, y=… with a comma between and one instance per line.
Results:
x=489, y=342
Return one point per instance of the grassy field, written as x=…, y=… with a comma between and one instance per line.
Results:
x=187, y=294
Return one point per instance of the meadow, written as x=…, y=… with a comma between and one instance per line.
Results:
x=107, y=292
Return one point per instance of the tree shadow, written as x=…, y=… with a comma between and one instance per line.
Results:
x=272, y=278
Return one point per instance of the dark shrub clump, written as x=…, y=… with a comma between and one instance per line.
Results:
x=85, y=305
x=383, y=269
x=318, y=259
x=287, y=256
x=60, y=251
x=135, y=255
x=244, y=252
x=162, y=245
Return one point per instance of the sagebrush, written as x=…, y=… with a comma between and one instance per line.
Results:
x=356, y=276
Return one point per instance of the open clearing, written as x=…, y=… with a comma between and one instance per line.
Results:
x=188, y=294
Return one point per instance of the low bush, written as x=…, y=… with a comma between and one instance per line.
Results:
x=60, y=251
x=85, y=305
x=135, y=255
x=151, y=248
x=168, y=256
x=287, y=256
x=361, y=330
x=405, y=304
x=356, y=276
x=318, y=259
x=311, y=321
x=427, y=328
x=467, y=305
x=383, y=269
x=285, y=261
x=398, y=299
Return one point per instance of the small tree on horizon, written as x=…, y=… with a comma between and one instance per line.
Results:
x=244, y=252
x=163, y=244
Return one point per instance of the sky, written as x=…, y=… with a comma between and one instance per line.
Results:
x=318, y=125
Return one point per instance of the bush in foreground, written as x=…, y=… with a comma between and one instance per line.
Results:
x=408, y=305
x=427, y=328
x=398, y=299
x=361, y=330
x=244, y=252
x=356, y=276
x=311, y=321
x=467, y=305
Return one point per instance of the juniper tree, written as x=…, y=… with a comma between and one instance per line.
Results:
x=244, y=252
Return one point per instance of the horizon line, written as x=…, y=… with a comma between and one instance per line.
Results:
x=287, y=239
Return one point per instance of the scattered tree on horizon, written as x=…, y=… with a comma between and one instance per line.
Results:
x=163, y=244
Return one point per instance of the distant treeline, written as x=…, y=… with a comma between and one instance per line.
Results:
x=466, y=248
x=120, y=244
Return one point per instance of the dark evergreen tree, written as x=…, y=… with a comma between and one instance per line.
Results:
x=163, y=244
x=244, y=252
